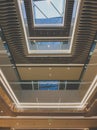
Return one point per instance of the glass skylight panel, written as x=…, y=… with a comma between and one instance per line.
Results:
x=48, y=85
x=49, y=46
x=48, y=12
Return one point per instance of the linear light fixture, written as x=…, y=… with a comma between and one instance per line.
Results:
x=91, y=89
x=76, y=105
x=51, y=65
x=7, y=87
x=49, y=117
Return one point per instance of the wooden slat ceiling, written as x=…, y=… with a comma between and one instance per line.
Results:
x=22, y=123
x=85, y=32
x=4, y=109
x=50, y=32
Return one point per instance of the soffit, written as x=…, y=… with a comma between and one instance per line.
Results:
x=44, y=73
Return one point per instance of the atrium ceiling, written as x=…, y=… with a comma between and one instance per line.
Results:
x=48, y=62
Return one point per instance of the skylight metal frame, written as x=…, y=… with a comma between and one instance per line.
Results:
x=48, y=25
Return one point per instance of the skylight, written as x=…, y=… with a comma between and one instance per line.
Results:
x=48, y=85
x=51, y=14
x=49, y=46
x=48, y=12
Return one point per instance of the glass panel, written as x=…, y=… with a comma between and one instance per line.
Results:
x=48, y=12
x=49, y=45
x=48, y=85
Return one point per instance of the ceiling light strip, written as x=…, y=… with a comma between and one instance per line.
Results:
x=49, y=105
x=49, y=117
x=75, y=23
x=12, y=97
x=50, y=51
x=6, y=65
x=46, y=55
x=50, y=38
x=8, y=88
x=91, y=89
x=46, y=107
x=85, y=100
x=59, y=65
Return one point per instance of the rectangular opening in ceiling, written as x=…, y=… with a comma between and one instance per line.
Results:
x=48, y=12
x=49, y=46
x=46, y=43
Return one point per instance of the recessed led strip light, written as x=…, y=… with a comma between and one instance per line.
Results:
x=91, y=89
x=49, y=105
x=50, y=38
x=7, y=87
x=74, y=28
x=59, y=51
x=79, y=105
x=49, y=117
x=51, y=65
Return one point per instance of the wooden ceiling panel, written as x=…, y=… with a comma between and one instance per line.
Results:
x=46, y=123
x=4, y=109
x=93, y=60
x=49, y=73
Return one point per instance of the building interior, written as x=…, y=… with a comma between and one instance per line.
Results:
x=48, y=64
